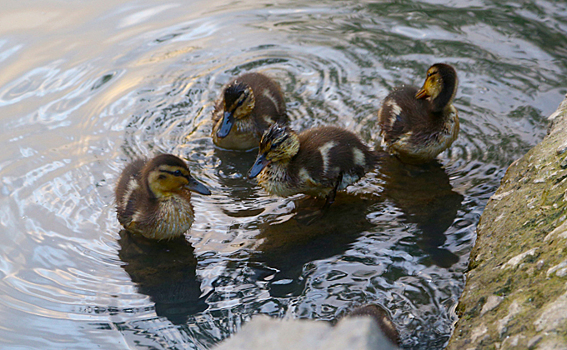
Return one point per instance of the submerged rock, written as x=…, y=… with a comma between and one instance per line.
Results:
x=516, y=291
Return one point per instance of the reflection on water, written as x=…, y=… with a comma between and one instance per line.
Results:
x=166, y=272
x=231, y=173
x=287, y=246
x=426, y=198
x=87, y=86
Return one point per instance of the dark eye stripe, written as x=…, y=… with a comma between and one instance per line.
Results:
x=174, y=173
x=241, y=101
x=276, y=144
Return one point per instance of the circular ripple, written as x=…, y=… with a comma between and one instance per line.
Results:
x=400, y=237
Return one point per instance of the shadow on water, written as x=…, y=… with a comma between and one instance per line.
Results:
x=426, y=197
x=423, y=193
x=166, y=272
x=289, y=245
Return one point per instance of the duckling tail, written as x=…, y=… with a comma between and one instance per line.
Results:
x=377, y=156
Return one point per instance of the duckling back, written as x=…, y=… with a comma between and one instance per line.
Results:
x=268, y=107
x=128, y=191
x=402, y=115
x=270, y=104
x=327, y=153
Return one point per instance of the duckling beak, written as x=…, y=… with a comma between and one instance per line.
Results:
x=227, y=122
x=259, y=165
x=421, y=94
x=196, y=186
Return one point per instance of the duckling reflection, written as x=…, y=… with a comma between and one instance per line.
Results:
x=231, y=174
x=232, y=169
x=426, y=197
x=166, y=272
x=289, y=245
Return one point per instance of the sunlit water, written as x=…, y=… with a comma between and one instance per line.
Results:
x=87, y=86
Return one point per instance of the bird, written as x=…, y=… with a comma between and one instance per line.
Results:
x=153, y=197
x=248, y=105
x=418, y=124
x=317, y=162
x=382, y=318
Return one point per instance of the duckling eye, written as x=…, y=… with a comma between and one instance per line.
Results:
x=278, y=143
x=432, y=73
x=177, y=173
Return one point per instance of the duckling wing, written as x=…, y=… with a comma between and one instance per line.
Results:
x=132, y=172
x=270, y=104
x=127, y=191
x=331, y=154
x=401, y=113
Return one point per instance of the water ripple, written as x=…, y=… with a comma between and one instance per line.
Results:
x=134, y=80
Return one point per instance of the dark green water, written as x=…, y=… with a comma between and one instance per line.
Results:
x=86, y=86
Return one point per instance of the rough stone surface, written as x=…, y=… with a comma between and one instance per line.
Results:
x=516, y=291
x=554, y=315
x=353, y=333
x=491, y=304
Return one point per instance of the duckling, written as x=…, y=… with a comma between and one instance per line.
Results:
x=247, y=106
x=153, y=197
x=317, y=162
x=382, y=318
x=417, y=125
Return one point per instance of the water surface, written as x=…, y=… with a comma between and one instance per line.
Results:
x=87, y=86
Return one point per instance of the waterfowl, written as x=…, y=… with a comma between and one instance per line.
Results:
x=153, y=197
x=247, y=106
x=418, y=124
x=382, y=318
x=317, y=162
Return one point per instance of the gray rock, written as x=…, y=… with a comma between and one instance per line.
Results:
x=518, y=258
x=519, y=254
x=265, y=333
x=492, y=302
x=513, y=310
x=553, y=315
x=382, y=318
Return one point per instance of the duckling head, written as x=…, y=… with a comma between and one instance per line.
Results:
x=167, y=175
x=239, y=102
x=279, y=144
x=440, y=86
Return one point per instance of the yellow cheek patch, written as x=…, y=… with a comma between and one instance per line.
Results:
x=266, y=148
x=434, y=86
